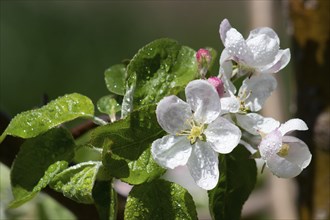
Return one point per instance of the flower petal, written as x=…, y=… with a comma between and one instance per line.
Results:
x=281, y=60
x=225, y=72
x=292, y=125
x=203, y=100
x=172, y=114
x=292, y=164
x=224, y=27
x=257, y=89
x=298, y=152
x=237, y=47
x=282, y=167
x=229, y=104
x=223, y=135
x=254, y=123
x=171, y=151
x=203, y=165
x=266, y=31
x=270, y=145
x=263, y=48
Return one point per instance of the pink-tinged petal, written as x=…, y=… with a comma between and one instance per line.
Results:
x=257, y=89
x=172, y=114
x=281, y=60
x=203, y=100
x=298, y=152
x=292, y=125
x=263, y=48
x=171, y=151
x=255, y=123
x=222, y=135
x=224, y=27
x=266, y=31
x=283, y=168
x=203, y=165
x=270, y=145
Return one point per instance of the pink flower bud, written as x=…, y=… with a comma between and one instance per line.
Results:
x=203, y=58
x=218, y=85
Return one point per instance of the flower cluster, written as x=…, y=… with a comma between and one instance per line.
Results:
x=218, y=110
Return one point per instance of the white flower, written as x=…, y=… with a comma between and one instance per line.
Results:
x=196, y=133
x=259, y=53
x=255, y=123
x=251, y=95
x=285, y=156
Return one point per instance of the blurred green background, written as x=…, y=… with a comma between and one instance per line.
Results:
x=57, y=47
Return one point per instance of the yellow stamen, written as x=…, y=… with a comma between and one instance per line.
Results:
x=194, y=133
x=284, y=151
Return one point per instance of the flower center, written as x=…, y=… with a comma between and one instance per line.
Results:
x=284, y=150
x=242, y=96
x=245, y=70
x=194, y=133
x=240, y=69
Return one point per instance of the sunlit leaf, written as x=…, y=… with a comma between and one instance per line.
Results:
x=34, y=122
x=77, y=182
x=161, y=68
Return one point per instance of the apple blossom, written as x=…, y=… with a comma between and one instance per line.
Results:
x=286, y=156
x=259, y=53
x=251, y=95
x=196, y=133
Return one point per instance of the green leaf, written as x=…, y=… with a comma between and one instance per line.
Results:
x=37, y=162
x=115, y=79
x=126, y=145
x=214, y=58
x=77, y=182
x=237, y=179
x=22, y=195
x=105, y=199
x=108, y=105
x=34, y=122
x=161, y=68
x=134, y=172
x=159, y=200
x=129, y=137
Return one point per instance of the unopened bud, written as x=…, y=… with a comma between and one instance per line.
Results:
x=203, y=57
x=218, y=85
